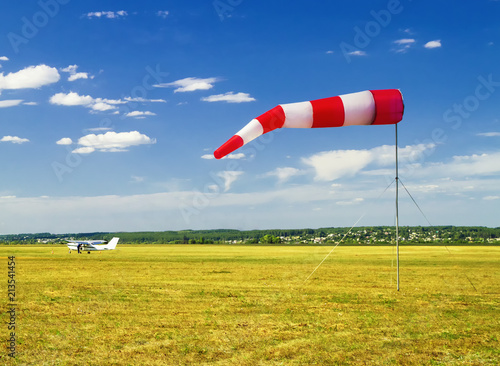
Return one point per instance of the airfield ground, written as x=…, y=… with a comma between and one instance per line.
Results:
x=251, y=305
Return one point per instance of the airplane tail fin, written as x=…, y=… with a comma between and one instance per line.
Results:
x=112, y=243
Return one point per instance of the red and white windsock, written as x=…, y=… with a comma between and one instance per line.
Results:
x=370, y=107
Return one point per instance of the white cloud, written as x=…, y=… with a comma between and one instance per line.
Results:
x=189, y=84
x=357, y=53
x=107, y=14
x=284, y=174
x=236, y=156
x=32, y=77
x=4, y=58
x=102, y=107
x=332, y=165
x=96, y=104
x=78, y=75
x=99, y=129
x=64, y=141
x=229, y=97
x=489, y=134
x=30, y=103
x=464, y=166
x=71, y=99
x=83, y=150
x=404, y=41
x=229, y=177
x=433, y=44
x=139, y=114
x=73, y=75
x=491, y=198
x=162, y=13
x=10, y=103
x=112, y=141
x=136, y=179
x=14, y=139
x=404, y=44
x=144, y=100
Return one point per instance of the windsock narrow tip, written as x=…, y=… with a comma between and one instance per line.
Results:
x=232, y=144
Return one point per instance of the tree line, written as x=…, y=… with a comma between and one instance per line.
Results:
x=360, y=235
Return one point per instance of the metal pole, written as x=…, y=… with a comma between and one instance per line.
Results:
x=397, y=206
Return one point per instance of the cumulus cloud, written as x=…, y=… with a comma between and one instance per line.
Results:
x=229, y=97
x=32, y=77
x=107, y=14
x=140, y=114
x=64, y=141
x=10, y=103
x=433, y=44
x=71, y=99
x=332, y=165
x=14, y=139
x=111, y=142
x=189, y=84
x=95, y=104
x=229, y=177
x=73, y=75
x=4, y=58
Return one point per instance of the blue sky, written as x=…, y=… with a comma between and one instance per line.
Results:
x=110, y=113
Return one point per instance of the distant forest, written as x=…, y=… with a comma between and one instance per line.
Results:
x=367, y=235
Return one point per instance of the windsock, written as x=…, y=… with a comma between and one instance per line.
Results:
x=370, y=107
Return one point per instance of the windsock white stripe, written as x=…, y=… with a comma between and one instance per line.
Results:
x=359, y=108
x=251, y=131
x=298, y=115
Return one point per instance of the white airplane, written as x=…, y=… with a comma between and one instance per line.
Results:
x=91, y=245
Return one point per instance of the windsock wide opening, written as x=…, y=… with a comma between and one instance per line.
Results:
x=390, y=106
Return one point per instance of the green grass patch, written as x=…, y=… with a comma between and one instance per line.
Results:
x=250, y=305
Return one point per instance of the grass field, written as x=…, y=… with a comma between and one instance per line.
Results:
x=251, y=305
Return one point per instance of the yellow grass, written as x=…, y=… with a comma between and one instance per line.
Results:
x=240, y=305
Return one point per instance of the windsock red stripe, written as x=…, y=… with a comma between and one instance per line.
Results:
x=328, y=112
x=390, y=106
x=232, y=144
x=272, y=119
